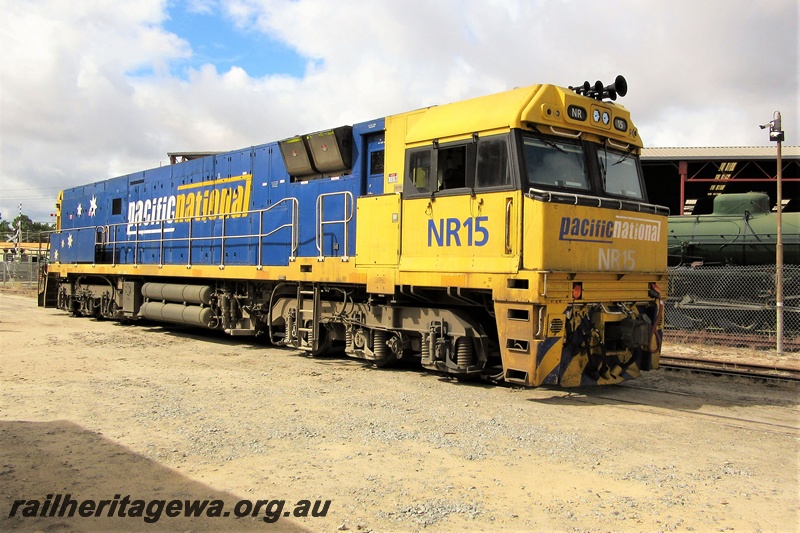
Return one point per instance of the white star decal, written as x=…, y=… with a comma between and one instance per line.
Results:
x=56, y=255
x=80, y=209
x=69, y=240
x=93, y=206
x=62, y=243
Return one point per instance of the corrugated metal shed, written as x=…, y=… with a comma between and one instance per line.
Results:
x=718, y=153
x=687, y=179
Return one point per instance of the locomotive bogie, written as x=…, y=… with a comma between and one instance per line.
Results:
x=93, y=296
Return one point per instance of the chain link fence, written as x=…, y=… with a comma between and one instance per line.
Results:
x=19, y=273
x=732, y=305
x=20, y=259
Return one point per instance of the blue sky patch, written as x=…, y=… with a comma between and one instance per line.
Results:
x=215, y=39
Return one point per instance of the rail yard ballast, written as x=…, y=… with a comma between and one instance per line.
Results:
x=507, y=236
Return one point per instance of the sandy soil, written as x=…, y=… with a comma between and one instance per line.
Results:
x=101, y=411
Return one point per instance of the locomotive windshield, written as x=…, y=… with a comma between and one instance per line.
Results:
x=580, y=167
x=620, y=174
x=555, y=164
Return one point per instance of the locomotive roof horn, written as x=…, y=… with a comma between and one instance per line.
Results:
x=598, y=92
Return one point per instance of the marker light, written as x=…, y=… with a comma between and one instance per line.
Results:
x=577, y=290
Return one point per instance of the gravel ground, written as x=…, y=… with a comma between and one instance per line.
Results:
x=96, y=409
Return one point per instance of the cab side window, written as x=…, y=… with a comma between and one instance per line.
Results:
x=492, y=164
x=376, y=162
x=419, y=170
x=451, y=171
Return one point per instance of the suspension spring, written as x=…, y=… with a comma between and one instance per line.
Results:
x=465, y=351
x=348, y=339
x=425, y=347
x=379, y=344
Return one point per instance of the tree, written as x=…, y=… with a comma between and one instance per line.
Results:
x=30, y=231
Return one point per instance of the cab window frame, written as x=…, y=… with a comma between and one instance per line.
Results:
x=593, y=152
x=417, y=168
x=457, y=163
x=511, y=180
x=455, y=167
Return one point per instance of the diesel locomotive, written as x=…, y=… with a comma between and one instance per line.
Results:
x=507, y=237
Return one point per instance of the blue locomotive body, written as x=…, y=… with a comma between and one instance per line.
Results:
x=232, y=208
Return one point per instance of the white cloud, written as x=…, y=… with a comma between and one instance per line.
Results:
x=87, y=91
x=201, y=6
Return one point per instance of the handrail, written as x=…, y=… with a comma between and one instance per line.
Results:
x=294, y=224
x=565, y=133
x=509, y=202
x=110, y=231
x=550, y=196
x=321, y=222
x=618, y=145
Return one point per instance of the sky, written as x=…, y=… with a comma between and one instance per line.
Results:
x=92, y=89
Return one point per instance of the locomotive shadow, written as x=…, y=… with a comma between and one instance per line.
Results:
x=61, y=457
x=335, y=357
x=194, y=333
x=674, y=394
x=411, y=365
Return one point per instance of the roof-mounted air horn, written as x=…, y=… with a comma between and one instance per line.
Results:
x=598, y=92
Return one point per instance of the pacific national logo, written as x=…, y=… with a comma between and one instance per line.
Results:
x=207, y=200
x=622, y=228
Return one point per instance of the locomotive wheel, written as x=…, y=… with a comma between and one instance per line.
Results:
x=384, y=362
x=97, y=308
x=324, y=343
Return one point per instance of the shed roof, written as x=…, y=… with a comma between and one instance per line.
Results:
x=719, y=153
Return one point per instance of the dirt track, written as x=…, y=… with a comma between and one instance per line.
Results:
x=96, y=409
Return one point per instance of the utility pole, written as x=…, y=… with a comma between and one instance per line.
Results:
x=18, y=236
x=776, y=134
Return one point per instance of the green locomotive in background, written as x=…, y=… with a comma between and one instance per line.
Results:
x=722, y=269
x=742, y=230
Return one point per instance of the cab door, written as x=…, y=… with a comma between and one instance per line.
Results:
x=461, y=212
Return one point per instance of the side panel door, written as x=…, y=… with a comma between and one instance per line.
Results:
x=378, y=230
x=462, y=233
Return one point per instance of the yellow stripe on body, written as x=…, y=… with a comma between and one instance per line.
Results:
x=212, y=183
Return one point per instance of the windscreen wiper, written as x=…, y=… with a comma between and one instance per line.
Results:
x=624, y=157
x=552, y=144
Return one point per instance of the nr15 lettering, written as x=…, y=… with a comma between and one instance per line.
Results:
x=615, y=260
x=448, y=231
